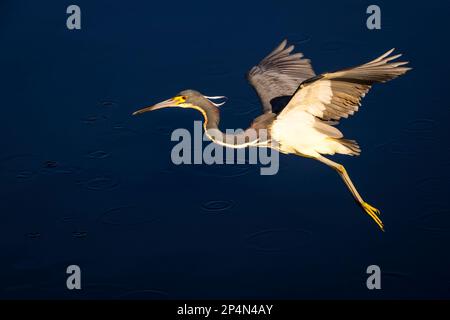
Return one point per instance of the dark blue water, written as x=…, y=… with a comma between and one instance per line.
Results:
x=82, y=182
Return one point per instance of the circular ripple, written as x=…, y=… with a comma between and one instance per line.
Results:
x=108, y=104
x=69, y=219
x=118, y=125
x=93, y=119
x=217, y=205
x=99, y=154
x=33, y=235
x=79, y=234
x=101, y=183
x=128, y=215
x=277, y=240
x=24, y=175
x=20, y=167
x=61, y=169
x=50, y=164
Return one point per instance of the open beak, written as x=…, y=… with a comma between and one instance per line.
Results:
x=168, y=103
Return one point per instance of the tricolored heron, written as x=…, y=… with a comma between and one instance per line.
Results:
x=300, y=108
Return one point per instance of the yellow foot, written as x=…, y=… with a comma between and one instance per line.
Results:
x=373, y=213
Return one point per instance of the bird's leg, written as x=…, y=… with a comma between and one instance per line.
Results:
x=371, y=211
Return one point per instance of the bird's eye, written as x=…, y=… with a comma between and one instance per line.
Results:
x=184, y=97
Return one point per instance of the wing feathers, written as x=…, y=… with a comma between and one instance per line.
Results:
x=336, y=95
x=279, y=74
x=327, y=129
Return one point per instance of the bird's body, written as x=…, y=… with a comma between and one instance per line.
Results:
x=300, y=109
x=301, y=133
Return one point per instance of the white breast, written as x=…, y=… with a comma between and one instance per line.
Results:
x=296, y=133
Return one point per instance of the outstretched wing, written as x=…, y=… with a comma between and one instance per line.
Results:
x=278, y=75
x=335, y=95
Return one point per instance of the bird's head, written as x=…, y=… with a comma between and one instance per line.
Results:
x=185, y=99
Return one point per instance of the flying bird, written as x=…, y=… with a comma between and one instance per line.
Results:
x=300, y=108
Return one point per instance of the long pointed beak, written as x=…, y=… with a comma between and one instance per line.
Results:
x=164, y=104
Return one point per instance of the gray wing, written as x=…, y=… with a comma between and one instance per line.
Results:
x=336, y=95
x=278, y=75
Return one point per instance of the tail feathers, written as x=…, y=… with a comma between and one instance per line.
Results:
x=351, y=145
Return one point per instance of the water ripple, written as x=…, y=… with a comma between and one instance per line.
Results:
x=79, y=234
x=33, y=235
x=24, y=175
x=93, y=119
x=57, y=168
x=98, y=154
x=50, y=164
x=108, y=104
x=217, y=205
x=20, y=167
x=101, y=183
